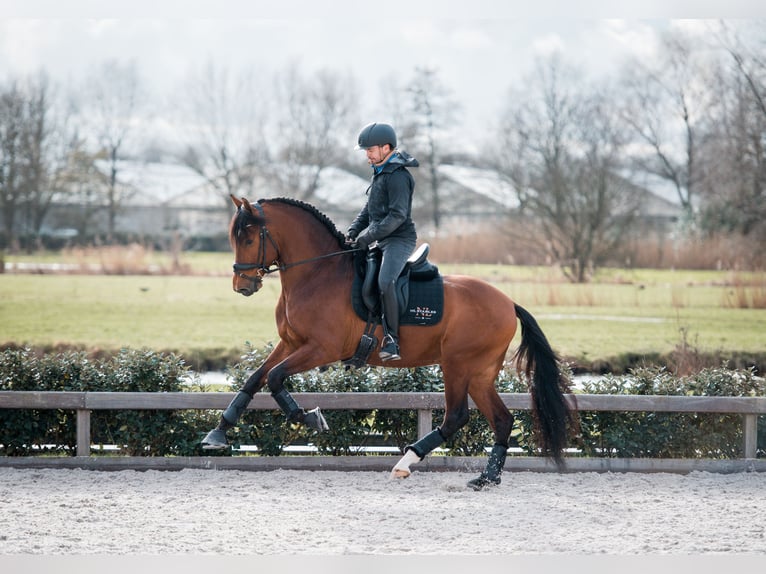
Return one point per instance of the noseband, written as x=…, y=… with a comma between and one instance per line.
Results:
x=277, y=264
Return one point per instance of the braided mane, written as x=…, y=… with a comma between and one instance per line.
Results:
x=326, y=221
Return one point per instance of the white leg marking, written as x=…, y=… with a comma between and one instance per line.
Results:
x=402, y=468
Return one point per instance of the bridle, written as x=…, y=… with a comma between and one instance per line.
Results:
x=262, y=268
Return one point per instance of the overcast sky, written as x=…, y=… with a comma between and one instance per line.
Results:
x=479, y=53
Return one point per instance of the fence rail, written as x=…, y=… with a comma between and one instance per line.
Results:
x=85, y=402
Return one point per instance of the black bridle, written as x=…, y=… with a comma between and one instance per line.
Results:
x=262, y=268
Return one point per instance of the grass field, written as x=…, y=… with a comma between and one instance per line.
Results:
x=623, y=312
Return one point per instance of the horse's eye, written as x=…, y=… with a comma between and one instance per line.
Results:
x=248, y=242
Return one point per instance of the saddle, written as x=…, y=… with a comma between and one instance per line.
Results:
x=420, y=292
x=419, y=289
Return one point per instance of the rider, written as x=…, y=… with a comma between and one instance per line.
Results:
x=387, y=219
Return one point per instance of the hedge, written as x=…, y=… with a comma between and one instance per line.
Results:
x=168, y=433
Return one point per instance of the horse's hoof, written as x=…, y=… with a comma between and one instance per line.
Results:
x=481, y=482
x=400, y=473
x=215, y=439
x=315, y=420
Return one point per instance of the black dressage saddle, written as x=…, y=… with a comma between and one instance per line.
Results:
x=420, y=289
x=420, y=294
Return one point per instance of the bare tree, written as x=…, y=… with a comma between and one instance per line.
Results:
x=667, y=104
x=560, y=147
x=225, y=121
x=11, y=156
x=429, y=109
x=112, y=97
x=735, y=182
x=48, y=141
x=315, y=113
x=37, y=143
x=36, y=135
x=80, y=179
x=750, y=60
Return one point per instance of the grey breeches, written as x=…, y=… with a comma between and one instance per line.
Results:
x=395, y=254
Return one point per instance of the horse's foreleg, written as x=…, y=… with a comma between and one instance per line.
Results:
x=216, y=438
x=455, y=416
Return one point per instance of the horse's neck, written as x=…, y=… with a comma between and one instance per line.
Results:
x=307, y=263
x=304, y=246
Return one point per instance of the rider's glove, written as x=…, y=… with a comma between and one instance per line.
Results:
x=363, y=241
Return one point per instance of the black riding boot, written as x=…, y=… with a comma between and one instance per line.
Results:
x=389, y=348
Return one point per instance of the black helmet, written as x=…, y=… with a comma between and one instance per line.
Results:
x=376, y=134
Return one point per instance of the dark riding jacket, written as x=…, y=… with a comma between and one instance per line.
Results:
x=388, y=211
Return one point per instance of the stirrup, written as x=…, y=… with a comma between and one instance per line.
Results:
x=389, y=349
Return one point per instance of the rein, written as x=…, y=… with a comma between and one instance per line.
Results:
x=277, y=264
x=272, y=267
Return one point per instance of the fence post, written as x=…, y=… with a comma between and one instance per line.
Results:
x=425, y=422
x=83, y=432
x=750, y=423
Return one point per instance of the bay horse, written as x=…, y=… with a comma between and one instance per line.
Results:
x=317, y=326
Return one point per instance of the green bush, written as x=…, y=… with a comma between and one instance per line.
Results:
x=143, y=432
x=23, y=432
x=138, y=433
x=162, y=433
x=670, y=435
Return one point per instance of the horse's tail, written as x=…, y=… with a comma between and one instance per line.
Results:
x=547, y=385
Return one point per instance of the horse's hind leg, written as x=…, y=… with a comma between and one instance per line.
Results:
x=455, y=416
x=490, y=404
x=294, y=413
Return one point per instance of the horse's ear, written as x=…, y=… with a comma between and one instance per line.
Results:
x=245, y=204
x=236, y=201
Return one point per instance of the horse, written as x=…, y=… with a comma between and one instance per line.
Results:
x=317, y=327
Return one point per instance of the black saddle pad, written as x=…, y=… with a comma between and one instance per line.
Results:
x=425, y=305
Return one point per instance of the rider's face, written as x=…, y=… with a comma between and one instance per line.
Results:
x=377, y=154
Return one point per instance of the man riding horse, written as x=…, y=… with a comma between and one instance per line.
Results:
x=386, y=219
x=319, y=326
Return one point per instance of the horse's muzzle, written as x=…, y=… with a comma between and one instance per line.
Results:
x=247, y=284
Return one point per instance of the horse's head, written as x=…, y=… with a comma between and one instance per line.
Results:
x=299, y=232
x=255, y=253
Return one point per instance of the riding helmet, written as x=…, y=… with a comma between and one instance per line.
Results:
x=376, y=134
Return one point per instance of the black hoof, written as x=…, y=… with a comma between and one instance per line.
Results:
x=482, y=482
x=315, y=420
x=215, y=439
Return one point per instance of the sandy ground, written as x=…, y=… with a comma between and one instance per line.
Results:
x=63, y=512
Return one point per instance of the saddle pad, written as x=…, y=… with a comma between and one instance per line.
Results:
x=425, y=306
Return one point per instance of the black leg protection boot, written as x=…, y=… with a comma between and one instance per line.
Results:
x=491, y=475
x=414, y=453
x=287, y=403
x=296, y=414
x=426, y=444
x=216, y=438
x=236, y=407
